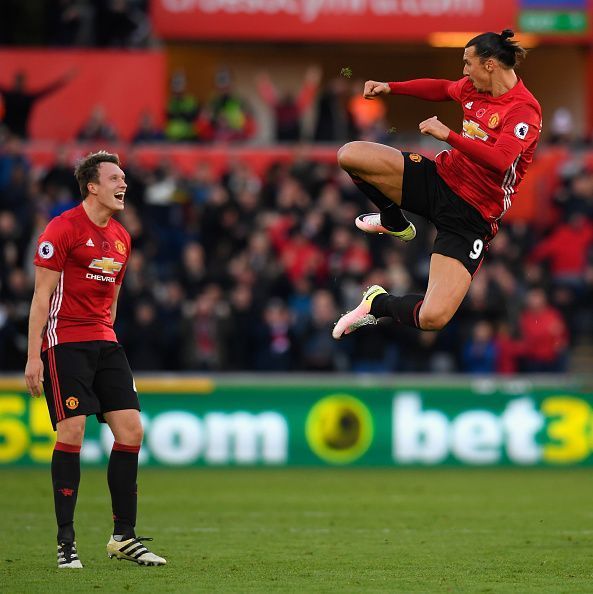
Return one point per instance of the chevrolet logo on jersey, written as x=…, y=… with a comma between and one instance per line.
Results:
x=106, y=265
x=473, y=130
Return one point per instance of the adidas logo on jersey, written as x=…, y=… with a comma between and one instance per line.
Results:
x=90, y=243
x=469, y=104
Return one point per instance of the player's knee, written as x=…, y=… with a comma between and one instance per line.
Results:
x=134, y=434
x=433, y=319
x=71, y=431
x=348, y=155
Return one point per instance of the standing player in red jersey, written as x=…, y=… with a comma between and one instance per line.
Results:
x=79, y=267
x=465, y=191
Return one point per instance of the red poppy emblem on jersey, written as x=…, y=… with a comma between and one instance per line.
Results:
x=120, y=247
x=493, y=121
x=415, y=157
x=72, y=402
x=105, y=246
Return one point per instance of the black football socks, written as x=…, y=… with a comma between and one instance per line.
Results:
x=65, y=475
x=405, y=310
x=391, y=215
x=122, y=474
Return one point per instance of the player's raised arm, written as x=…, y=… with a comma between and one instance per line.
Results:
x=429, y=89
x=46, y=281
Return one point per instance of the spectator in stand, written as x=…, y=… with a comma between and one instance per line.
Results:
x=319, y=352
x=13, y=240
x=203, y=331
x=562, y=126
x=18, y=101
x=14, y=320
x=58, y=177
x=145, y=339
x=17, y=195
x=97, y=128
x=288, y=108
x=334, y=120
x=484, y=301
x=242, y=321
x=12, y=155
x=543, y=335
x=347, y=254
x=140, y=281
x=566, y=250
x=147, y=130
x=578, y=196
x=300, y=257
x=171, y=301
x=201, y=183
x=260, y=257
x=368, y=117
x=182, y=111
x=211, y=228
x=229, y=116
x=508, y=349
x=276, y=344
x=193, y=275
x=164, y=198
x=480, y=351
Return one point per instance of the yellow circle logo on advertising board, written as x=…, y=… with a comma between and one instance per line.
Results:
x=72, y=402
x=339, y=429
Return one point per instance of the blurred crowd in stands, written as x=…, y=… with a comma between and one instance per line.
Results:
x=340, y=112
x=239, y=272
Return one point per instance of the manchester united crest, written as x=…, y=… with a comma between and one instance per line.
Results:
x=120, y=247
x=415, y=157
x=493, y=120
x=72, y=402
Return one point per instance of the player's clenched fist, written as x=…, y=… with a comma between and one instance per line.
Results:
x=432, y=127
x=373, y=89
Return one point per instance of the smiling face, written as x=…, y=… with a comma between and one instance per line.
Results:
x=478, y=71
x=110, y=190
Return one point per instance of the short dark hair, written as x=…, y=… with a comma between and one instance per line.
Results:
x=499, y=46
x=87, y=170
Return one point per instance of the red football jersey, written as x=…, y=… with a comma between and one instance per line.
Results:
x=92, y=261
x=513, y=119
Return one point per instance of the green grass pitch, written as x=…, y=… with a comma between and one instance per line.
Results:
x=314, y=530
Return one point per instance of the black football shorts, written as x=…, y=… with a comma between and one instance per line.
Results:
x=87, y=378
x=462, y=233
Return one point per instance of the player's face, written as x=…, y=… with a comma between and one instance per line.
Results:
x=111, y=189
x=476, y=70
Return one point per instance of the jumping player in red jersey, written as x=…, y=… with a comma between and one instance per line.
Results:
x=464, y=192
x=79, y=267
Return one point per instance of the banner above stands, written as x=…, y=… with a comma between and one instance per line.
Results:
x=327, y=20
